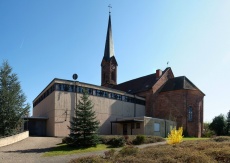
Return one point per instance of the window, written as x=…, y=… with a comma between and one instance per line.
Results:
x=190, y=113
x=156, y=127
x=138, y=125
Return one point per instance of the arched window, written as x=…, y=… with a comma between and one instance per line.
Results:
x=190, y=113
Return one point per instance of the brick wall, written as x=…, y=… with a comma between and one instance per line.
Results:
x=152, y=94
x=106, y=72
x=173, y=105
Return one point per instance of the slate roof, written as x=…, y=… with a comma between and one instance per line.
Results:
x=139, y=84
x=179, y=83
x=109, y=47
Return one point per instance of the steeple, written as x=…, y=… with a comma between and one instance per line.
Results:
x=109, y=47
x=109, y=63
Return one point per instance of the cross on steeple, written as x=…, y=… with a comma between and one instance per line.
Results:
x=109, y=8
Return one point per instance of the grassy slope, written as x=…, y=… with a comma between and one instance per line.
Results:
x=202, y=151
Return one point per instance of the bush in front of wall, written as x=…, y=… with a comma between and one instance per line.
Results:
x=117, y=142
x=140, y=139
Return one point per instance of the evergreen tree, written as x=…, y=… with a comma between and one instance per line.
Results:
x=84, y=125
x=228, y=123
x=12, y=101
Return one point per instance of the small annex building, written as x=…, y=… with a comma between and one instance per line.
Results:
x=152, y=104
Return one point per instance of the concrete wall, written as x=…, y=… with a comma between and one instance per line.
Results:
x=148, y=126
x=46, y=109
x=13, y=139
x=152, y=124
x=106, y=110
x=59, y=108
x=64, y=110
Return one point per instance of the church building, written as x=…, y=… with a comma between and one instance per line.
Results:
x=150, y=105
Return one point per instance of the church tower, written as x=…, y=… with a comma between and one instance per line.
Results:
x=109, y=63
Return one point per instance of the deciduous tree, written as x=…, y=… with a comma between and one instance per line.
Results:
x=218, y=125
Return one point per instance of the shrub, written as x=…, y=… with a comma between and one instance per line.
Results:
x=175, y=136
x=105, y=139
x=113, y=141
x=88, y=159
x=128, y=150
x=117, y=142
x=153, y=139
x=140, y=139
x=67, y=140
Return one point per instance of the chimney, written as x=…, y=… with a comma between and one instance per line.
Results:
x=158, y=73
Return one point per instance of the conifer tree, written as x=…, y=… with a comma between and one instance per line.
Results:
x=84, y=125
x=12, y=101
x=228, y=124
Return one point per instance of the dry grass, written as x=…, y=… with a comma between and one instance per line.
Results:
x=199, y=151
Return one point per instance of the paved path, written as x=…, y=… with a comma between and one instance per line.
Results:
x=30, y=150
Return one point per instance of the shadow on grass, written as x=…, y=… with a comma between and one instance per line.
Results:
x=65, y=149
x=34, y=150
x=61, y=149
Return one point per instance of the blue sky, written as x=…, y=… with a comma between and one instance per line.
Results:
x=48, y=39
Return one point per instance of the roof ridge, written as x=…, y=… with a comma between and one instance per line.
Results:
x=168, y=68
x=137, y=78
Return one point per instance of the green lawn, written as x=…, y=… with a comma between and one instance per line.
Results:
x=64, y=149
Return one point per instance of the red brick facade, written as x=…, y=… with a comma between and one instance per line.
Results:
x=109, y=72
x=174, y=105
x=152, y=94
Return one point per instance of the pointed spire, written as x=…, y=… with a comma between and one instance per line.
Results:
x=109, y=47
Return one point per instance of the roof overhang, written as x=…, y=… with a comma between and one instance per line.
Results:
x=38, y=118
x=127, y=121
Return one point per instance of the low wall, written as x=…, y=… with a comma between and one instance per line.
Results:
x=14, y=138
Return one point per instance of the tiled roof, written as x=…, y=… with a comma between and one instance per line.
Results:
x=139, y=84
x=179, y=83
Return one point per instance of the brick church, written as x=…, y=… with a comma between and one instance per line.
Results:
x=150, y=105
x=167, y=97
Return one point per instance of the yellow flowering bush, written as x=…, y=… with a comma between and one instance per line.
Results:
x=175, y=136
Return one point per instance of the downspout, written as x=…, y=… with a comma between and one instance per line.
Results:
x=135, y=106
x=165, y=129
x=186, y=110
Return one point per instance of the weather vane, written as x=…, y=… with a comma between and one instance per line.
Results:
x=110, y=8
x=167, y=63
